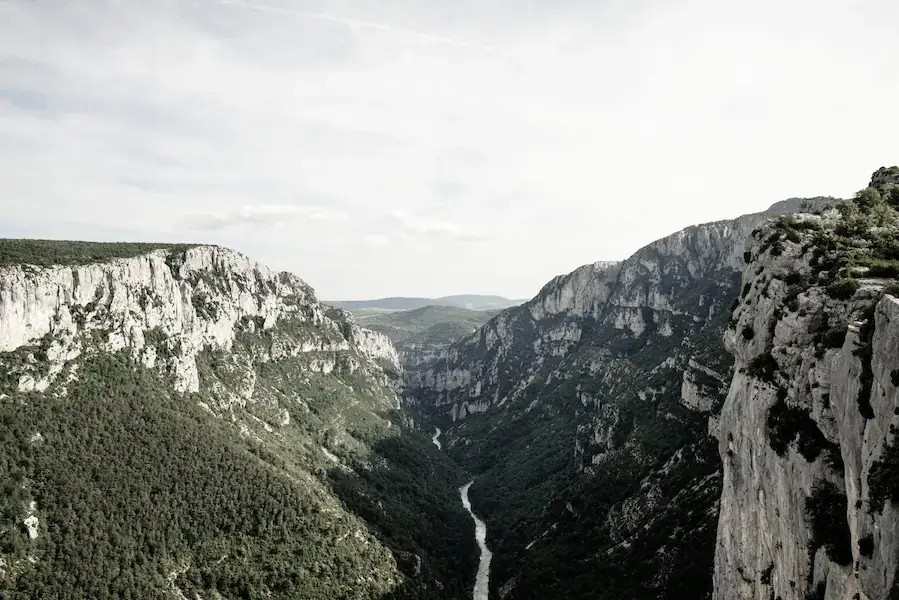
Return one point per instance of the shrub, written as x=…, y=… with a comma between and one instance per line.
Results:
x=791, y=300
x=894, y=376
x=747, y=256
x=879, y=267
x=866, y=546
x=843, y=289
x=825, y=511
x=883, y=479
x=785, y=423
x=748, y=332
x=835, y=336
x=765, y=577
x=865, y=353
x=868, y=198
x=762, y=367
x=793, y=278
x=891, y=195
x=45, y=253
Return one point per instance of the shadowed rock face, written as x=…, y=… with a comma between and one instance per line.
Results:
x=812, y=407
x=585, y=409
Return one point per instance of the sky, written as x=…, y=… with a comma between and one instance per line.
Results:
x=428, y=147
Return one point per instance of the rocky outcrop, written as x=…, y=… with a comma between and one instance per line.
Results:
x=806, y=433
x=164, y=307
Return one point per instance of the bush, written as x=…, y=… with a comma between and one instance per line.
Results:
x=866, y=546
x=825, y=511
x=843, y=289
x=748, y=332
x=793, y=278
x=785, y=423
x=879, y=267
x=865, y=353
x=835, y=337
x=45, y=253
x=762, y=367
x=766, y=574
x=891, y=195
x=883, y=479
x=868, y=198
x=894, y=377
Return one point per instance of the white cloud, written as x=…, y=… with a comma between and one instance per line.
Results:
x=263, y=215
x=552, y=133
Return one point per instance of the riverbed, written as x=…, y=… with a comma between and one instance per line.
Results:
x=482, y=580
x=436, y=438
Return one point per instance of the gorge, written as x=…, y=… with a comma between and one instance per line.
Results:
x=712, y=417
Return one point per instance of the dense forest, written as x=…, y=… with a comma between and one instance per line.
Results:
x=141, y=491
x=45, y=253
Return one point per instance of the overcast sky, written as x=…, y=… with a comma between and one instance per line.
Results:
x=430, y=147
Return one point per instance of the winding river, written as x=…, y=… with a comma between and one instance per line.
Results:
x=436, y=439
x=482, y=579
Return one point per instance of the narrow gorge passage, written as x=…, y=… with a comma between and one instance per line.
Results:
x=482, y=579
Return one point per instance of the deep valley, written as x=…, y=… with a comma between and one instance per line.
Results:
x=712, y=417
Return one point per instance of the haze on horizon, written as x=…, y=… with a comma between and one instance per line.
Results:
x=433, y=148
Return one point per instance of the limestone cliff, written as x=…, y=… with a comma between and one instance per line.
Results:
x=195, y=299
x=806, y=434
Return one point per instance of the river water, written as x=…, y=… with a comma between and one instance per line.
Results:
x=436, y=439
x=482, y=579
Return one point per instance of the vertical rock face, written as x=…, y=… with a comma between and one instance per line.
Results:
x=191, y=300
x=806, y=433
x=588, y=406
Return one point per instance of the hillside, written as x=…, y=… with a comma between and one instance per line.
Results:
x=183, y=422
x=469, y=301
x=418, y=334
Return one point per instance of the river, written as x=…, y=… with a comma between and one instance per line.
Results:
x=482, y=579
x=436, y=439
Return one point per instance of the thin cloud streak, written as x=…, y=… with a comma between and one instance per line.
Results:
x=616, y=123
x=262, y=215
x=428, y=37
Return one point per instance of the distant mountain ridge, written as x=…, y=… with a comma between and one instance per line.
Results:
x=419, y=334
x=469, y=301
